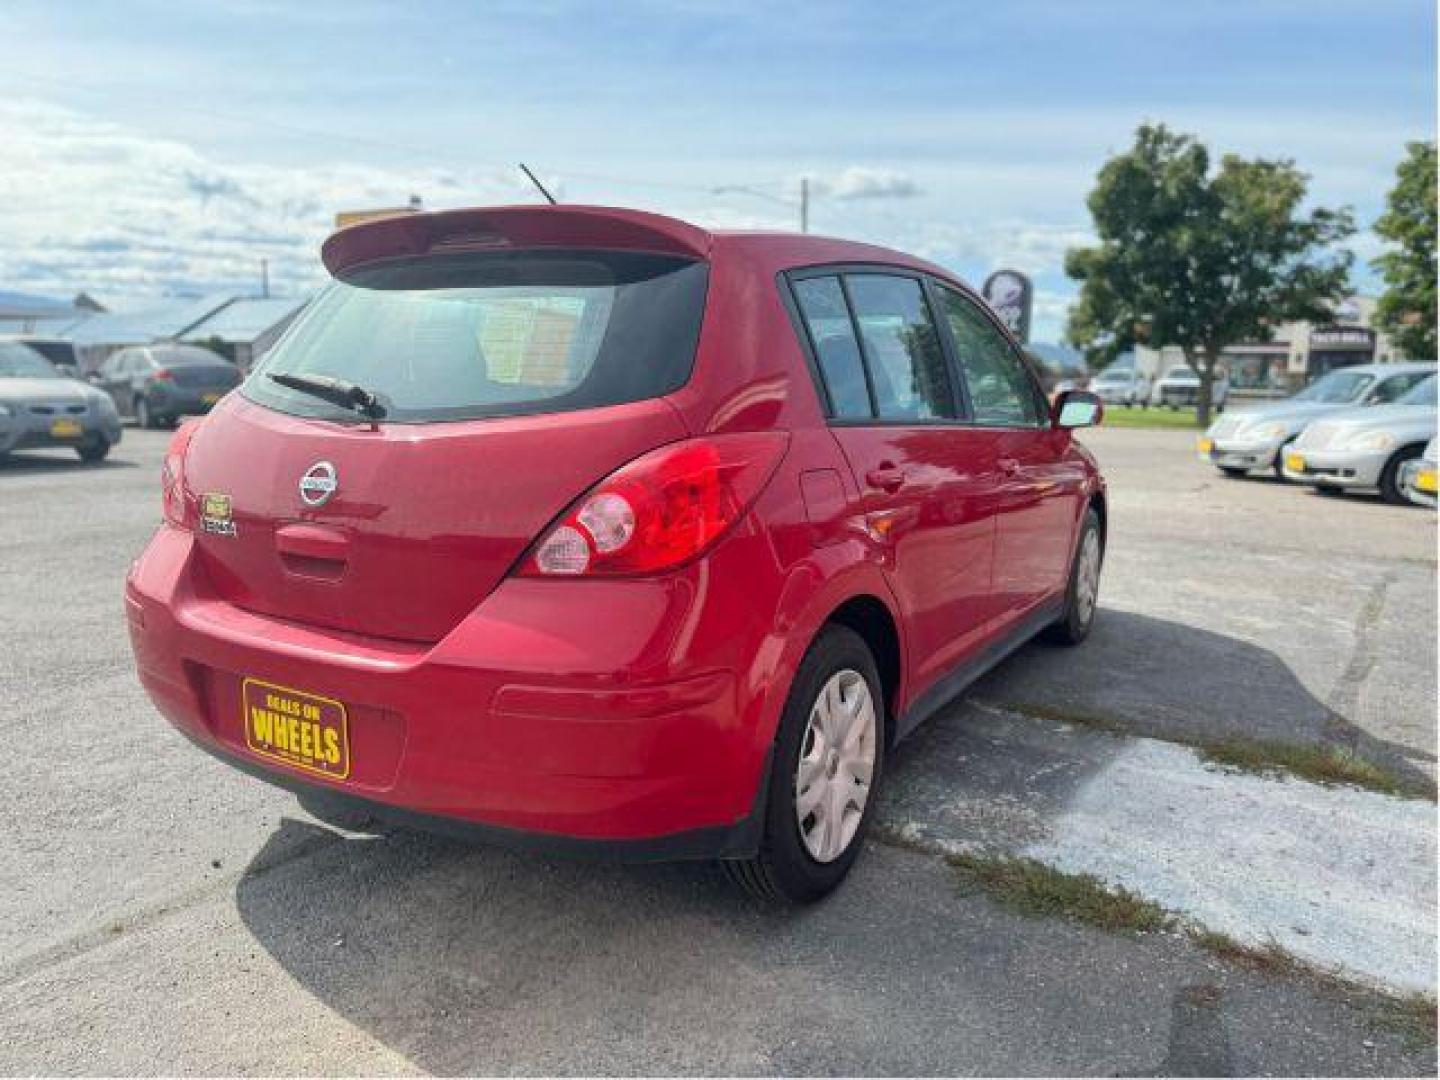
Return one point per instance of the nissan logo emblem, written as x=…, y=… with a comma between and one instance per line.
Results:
x=318, y=484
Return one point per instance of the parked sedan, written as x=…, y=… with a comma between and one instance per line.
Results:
x=158, y=384
x=1418, y=477
x=40, y=407
x=1179, y=388
x=1365, y=447
x=1258, y=438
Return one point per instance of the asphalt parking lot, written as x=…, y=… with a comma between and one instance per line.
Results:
x=162, y=914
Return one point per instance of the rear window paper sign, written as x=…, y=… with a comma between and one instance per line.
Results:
x=1010, y=295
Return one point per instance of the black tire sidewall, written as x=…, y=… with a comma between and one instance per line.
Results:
x=1390, y=475
x=1072, y=629
x=799, y=876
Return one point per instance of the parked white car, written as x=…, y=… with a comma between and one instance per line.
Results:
x=1257, y=438
x=1121, y=386
x=1365, y=447
x=1179, y=388
x=1418, y=477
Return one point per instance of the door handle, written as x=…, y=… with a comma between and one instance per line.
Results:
x=1008, y=466
x=886, y=478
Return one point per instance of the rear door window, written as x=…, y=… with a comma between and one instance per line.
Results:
x=1001, y=390
x=909, y=375
x=459, y=337
x=832, y=336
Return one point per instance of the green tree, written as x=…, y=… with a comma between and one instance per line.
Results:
x=1201, y=258
x=1407, y=310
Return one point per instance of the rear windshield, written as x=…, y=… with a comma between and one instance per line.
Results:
x=184, y=356
x=459, y=337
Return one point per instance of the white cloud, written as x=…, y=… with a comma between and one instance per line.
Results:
x=86, y=204
x=859, y=182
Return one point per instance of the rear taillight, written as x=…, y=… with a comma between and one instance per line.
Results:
x=163, y=374
x=660, y=510
x=172, y=476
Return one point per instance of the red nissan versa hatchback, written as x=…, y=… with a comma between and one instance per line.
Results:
x=595, y=531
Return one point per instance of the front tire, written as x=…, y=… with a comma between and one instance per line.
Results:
x=1390, y=489
x=828, y=761
x=1082, y=595
x=94, y=452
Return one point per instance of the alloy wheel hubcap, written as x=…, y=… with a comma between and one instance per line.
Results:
x=1087, y=585
x=837, y=763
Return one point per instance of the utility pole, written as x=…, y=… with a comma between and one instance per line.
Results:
x=265, y=279
x=804, y=204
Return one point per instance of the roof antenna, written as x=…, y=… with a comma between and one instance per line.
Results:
x=526, y=170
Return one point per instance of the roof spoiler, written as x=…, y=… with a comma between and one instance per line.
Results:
x=510, y=227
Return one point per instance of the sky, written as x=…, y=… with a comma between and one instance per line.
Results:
x=161, y=148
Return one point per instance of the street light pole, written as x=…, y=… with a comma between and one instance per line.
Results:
x=804, y=204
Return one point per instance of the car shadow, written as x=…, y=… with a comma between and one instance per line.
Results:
x=480, y=960
x=36, y=463
x=1146, y=676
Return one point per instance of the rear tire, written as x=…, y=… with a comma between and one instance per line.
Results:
x=1082, y=597
x=801, y=859
x=1390, y=476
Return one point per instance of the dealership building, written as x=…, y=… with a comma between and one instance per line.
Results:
x=1299, y=353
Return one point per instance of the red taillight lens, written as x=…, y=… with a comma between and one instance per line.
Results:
x=163, y=374
x=661, y=510
x=172, y=476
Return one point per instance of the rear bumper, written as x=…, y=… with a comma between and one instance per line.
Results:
x=183, y=401
x=35, y=432
x=556, y=716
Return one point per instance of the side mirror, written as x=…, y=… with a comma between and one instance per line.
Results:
x=1076, y=409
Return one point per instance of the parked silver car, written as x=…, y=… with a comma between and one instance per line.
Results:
x=1257, y=438
x=1365, y=447
x=1418, y=477
x=41, y=407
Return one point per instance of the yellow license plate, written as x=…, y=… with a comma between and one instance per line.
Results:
x=1295, y=462
x=209, y=399
x=1205, y=445
x=66, y=429
x=302, y=730
x=1425, y=480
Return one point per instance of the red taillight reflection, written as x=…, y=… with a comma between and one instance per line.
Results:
x=172, y=476
x=661, y=509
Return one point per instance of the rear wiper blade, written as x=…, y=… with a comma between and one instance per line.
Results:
x=340, y=392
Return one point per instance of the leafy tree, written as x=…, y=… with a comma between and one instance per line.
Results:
x=1407, y=310
x=1201, y=258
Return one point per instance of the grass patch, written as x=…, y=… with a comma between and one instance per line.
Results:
x=1321, y=764
x=1033, y=888
x=1272, y=958
x=1411, y=1017
x=1062, y=714
x=1129, y=416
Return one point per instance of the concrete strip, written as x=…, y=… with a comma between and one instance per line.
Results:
x=1341, y=878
